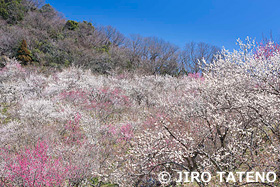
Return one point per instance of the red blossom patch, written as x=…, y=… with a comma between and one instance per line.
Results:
x=266, y=50
x=34, y=167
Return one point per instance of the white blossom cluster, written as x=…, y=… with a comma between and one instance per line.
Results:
x=127, y=130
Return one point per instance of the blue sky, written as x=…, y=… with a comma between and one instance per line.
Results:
x=218, y=22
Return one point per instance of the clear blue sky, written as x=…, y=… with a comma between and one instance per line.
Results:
x=219, y=22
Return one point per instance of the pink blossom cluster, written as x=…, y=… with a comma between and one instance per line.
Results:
x=34, y=167
x=267, y=50
x=72, y=131
x=196, y=76
x=103, y=98
x=123, y=133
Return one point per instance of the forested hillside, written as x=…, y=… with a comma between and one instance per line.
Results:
x=52, y=41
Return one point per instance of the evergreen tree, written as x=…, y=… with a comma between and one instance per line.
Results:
x=71, y=25
x=48, y=11
x=23, y=54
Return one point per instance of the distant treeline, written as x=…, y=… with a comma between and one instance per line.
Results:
x=35, y=33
